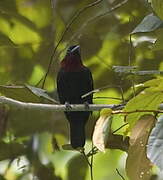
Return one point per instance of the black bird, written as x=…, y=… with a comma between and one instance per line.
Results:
x=74, y=80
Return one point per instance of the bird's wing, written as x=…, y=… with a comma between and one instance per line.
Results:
x=89, y=86
x=61, y=87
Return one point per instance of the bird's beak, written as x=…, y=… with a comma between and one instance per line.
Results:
x=76, y=48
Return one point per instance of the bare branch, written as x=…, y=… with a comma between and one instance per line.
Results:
x=139, y=111
x=74, y=107
x=55, y=107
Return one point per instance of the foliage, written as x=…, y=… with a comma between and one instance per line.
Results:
x=124, y=34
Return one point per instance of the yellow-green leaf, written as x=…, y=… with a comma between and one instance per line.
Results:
x=105, y=112
x=146, y=100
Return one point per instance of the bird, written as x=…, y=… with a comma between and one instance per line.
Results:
x=74, y=79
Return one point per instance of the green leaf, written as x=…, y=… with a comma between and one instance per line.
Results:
x=146, y=100
x=155, y=144
x=105, y=112
x=154, y=84
x=77, y=168
x=148, y=24
x=117, y=122
x=40, y=93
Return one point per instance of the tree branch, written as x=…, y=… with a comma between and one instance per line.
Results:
x=55, y=107
x=73, y=107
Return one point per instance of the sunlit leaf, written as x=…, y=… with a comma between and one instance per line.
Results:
x=138, y=165
x=155, y=144
x=105, y=164
x=105, y=112
x=117, y=122
x=102, y=129
x=154, y=82
x=146, y=100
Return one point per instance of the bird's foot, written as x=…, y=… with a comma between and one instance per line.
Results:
x=86, y=104
x=70, y=148
x=68, y=106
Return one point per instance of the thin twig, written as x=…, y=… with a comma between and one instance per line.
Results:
x=119, y=128
x=103, y=62
x=99, y=89
x=90, y=164
x=129, y=63
x=77, y=14
x=107, y=98
x=119, y=174
x=91, y=20
x=136, y=111
x=122, y=94
x=133, y=86
x=130, y=51
x=86, y=158
x=93, y=151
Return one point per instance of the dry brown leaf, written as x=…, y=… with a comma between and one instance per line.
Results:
x=138, y=165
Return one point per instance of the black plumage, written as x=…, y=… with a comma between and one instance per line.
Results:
x=74, y=80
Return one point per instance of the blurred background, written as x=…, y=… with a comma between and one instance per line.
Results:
x=29, y=32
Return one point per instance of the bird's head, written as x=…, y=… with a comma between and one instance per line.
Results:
x=72, y=60
x=73, y=50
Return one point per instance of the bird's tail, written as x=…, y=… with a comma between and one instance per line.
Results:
x=77, y=133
